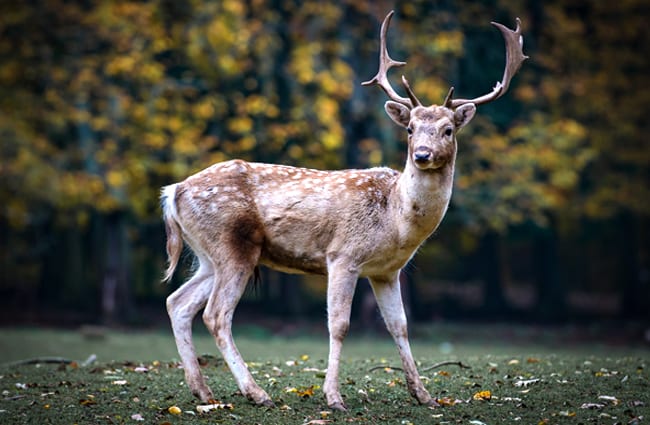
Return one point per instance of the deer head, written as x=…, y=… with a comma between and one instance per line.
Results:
x=432, y=129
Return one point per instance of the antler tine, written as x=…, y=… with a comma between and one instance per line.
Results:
x=514, y=58
x=448, y=99
x=386, y=63
x=407, y=86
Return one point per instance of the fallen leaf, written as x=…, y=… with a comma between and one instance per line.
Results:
x=592, y=406
x=513, y=362
x=446, y=401
x=214, y=406
x=318, y=422
x=120, y=382
x=137, y=417
x=313, y=369
x=174, y=410
x=483, y=395
x=611, y=399
x=307, y=392
x=532, y=360
x=87, y=402
x=525, y=382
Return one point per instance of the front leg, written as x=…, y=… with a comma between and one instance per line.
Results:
x=340, y=291
x=389, y=299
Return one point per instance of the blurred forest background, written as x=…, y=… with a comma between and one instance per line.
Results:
x=103, y=102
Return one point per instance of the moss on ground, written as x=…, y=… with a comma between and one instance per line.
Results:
x=532, y=390
x=515, y=383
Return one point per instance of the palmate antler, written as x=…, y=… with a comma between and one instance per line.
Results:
x=386, y=63
x=514, y=58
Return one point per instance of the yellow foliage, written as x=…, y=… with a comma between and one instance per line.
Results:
x=121, y=65
x=327, y=109
x=116, y=178
x=204, y=109
x=295, y=152
x=149, y=91
x=448, y=42
x=247, y=143
x=375, y=157
x=332, y=140
x=240, y=124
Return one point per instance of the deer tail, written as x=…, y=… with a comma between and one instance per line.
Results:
x=172, y=228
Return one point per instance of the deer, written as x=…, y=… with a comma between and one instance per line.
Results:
x=345, y=224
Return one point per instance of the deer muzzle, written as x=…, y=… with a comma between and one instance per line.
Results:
x=423, y=157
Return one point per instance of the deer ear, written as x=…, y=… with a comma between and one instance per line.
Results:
x=398, y=113
x=464, y=114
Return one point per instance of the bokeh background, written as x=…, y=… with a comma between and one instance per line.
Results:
x=103, y=102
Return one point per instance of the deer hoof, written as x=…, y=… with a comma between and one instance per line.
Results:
x=203, y=394
x=431, y=403
x=339, y=406
x=267, y=402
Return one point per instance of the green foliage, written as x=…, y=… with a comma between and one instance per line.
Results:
x=101, y=103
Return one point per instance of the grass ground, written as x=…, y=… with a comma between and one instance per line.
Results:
x=528, y=376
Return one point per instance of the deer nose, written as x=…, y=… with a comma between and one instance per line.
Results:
x=422, y=155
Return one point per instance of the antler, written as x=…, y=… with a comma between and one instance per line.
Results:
x=386, y=63
x=514, y=58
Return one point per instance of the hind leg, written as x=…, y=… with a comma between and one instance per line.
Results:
x=228, y=288
x=182, y=306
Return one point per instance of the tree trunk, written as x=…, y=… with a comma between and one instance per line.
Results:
x=489, y=263
x=116, y=295
x=634, y=299
x=552, y=294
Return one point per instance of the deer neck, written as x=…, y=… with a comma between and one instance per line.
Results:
x=421, y=200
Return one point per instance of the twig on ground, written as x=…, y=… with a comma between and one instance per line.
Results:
x=447, y=363
x=434, y=366
x=50, y=360
x=39, y=360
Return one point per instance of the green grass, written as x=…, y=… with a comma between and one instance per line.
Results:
x=563, y=380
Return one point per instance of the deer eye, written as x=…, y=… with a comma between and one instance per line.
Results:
x=448, y=131
x=409, y=130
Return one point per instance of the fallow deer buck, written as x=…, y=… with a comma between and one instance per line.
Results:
x=346, y=224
